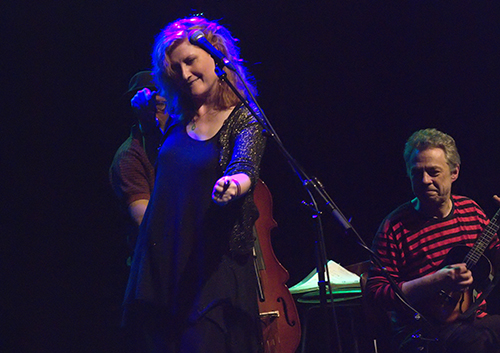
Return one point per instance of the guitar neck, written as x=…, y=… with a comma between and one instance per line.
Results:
x=483, y=241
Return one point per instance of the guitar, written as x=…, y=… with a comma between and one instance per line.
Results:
x=450, y=305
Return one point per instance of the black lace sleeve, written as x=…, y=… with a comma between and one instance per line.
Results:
x=242, y=143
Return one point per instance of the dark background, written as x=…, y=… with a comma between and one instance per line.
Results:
x=344, y=85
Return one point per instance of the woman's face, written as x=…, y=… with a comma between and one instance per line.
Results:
x=194, y=70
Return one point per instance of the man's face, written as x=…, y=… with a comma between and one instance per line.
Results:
x=431, y=177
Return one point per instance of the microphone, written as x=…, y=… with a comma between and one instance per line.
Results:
x=199, y=39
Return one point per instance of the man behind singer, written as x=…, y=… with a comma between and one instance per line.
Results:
x=413, y=241
x=132, y=171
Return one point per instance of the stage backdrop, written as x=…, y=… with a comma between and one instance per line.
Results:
x=344, y=86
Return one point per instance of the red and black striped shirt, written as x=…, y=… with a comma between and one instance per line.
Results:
x=411, y=245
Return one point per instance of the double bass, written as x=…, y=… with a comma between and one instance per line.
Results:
x=278, y=313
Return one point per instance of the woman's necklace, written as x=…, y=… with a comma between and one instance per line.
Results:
x=210, y=113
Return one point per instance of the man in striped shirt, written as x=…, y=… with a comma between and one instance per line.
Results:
x=412, y=243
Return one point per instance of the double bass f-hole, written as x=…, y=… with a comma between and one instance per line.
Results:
x=260, y=266
x=278, y=313
x=285, y=310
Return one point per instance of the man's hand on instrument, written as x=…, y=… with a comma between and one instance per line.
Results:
x=455, y=277
x=451, y=278
x=497, y=199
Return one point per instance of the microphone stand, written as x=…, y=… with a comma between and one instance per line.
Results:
x=313, y=184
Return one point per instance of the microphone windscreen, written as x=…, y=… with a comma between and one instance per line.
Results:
x=195, y=37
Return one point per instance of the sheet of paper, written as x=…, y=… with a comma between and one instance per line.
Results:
x=339, y=278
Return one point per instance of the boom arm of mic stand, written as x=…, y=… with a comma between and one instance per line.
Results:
x=263, y=120
x=306, y=181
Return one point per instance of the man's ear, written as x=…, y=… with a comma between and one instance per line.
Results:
x=455, y=172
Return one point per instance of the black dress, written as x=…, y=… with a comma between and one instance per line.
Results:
x=186, y=289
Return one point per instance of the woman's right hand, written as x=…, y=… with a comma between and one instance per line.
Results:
x=225, y=189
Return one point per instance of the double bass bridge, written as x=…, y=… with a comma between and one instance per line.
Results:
x=270, y=315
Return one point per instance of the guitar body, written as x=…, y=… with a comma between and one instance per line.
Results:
x=448, y=306
x=480, y=271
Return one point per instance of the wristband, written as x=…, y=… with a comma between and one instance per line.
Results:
x=238, y=187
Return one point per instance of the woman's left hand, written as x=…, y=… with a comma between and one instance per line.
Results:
x=225, y=190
